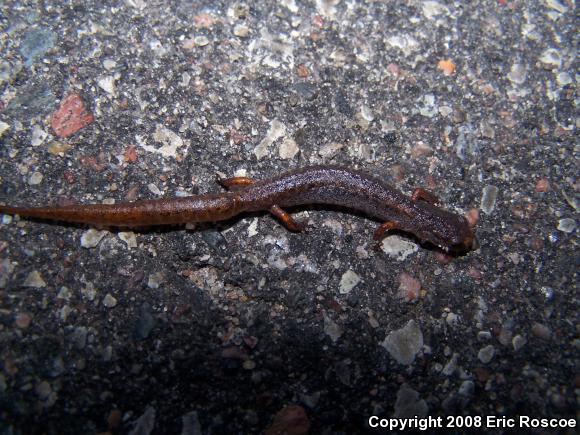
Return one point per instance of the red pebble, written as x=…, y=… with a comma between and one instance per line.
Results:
x=70, y=117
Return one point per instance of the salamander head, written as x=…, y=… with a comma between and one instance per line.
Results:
x=448, y=231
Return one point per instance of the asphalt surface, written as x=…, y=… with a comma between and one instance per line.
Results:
x=242, y=326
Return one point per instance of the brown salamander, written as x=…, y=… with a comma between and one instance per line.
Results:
x=416, y=214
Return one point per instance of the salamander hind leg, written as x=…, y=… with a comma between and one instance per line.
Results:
x=286, y=219
x=424, y=195
x=235, y=183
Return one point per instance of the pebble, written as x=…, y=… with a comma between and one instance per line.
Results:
x=79, y=337
x=486, y=354
x=551, y=58
x=466, y=389
x=404, y=344
x=331, y=328
x=190, y=424
x=145, y=424
x=275, y=132
x=398, y=247
x=43, y=390
x=241, y=30
x=288, y=149
x=109, y=301
x=249, y=365
x=409, y=404
x=488, y=198
x=156, y=280
x=517, y=74
x=348, y=281
x=409, y=287
x=91, y=238
x=38, y=136
x=71, y=116
x=201, y=41
x=129, y=238
x=290, y=420
x=36, y=43
x=451, y=367
x=541, y=331
x=35, y=178
x=34, y=280
x=23, y=320
x=107, y=84
x=307, y=91
x=3, y=127
x=567, y=225
x=145, y=322
x=484, y=335
x=518, y=342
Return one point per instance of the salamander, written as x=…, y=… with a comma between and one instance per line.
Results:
x=417, y=214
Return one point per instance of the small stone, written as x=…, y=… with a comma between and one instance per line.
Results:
x=290, y=420
x=190, y=424
x=201, y=41
x=34, y=280
x=331, y=328
x=421, y=150
x=23, y=320
x=71, y=116
x=466, y=389
x=542, y=185
x=447, y=66
x=38, y=136
x=409, y=287
x=404, y=344
x=156, y=280
x=518, y=342
x=3, y=127
x=308, y=91
x=35, y=178
x=91, y=238
x=551, y=58
x=288, y=149
x=348, y=281
x=562, y=78
x=409, y=404
x=567, y=225
x=486, y=354
x=541, y=331
x=109, y=301
x=398, y=247
x=129, y=238
x=145, y=322
x=249, y=364
x=43, y=390
x=517, y=74
x=488, y=199
x=109, y=64
x=36, y=43
x=145, y=424
x=275, y=132
x=330, y=149
x=107, y=84
x=79, y=337
x=241, y=30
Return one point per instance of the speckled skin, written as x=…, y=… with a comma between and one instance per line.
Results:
x=313, y=185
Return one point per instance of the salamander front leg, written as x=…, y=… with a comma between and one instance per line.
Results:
x=380, y=233
x=235, y=183
x=286, y=219
x=424, y=195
